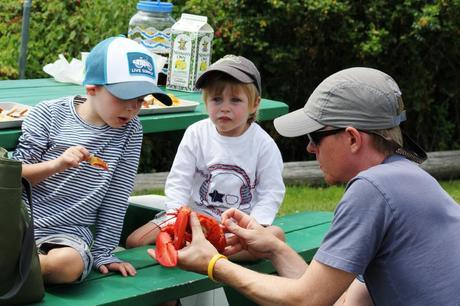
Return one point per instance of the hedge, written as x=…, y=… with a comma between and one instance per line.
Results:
x=294, y=43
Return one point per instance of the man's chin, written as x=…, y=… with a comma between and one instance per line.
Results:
x=332, y=181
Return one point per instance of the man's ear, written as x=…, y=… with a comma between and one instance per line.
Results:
x=91, y=90
x=355, y=139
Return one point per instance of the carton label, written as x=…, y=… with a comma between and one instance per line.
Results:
x=181, y=57
x=204, y=54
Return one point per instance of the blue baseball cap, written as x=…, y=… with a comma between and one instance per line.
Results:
x=125, y=68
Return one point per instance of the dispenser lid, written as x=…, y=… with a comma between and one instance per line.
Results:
x=155, y=6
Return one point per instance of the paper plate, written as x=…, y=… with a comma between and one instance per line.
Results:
x=184, y=106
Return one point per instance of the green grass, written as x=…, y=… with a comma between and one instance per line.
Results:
x=452, y=188
x=301, y=198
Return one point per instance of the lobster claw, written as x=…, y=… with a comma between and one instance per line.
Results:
x=166, y=246
x=165, y=252
x=180, y=227
x=173, y=237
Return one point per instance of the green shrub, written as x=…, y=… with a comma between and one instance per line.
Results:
x=56, y=26
x=295, y=44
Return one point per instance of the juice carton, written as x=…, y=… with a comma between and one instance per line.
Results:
x=190, y=55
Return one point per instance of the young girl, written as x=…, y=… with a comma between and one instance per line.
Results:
x=226, y=160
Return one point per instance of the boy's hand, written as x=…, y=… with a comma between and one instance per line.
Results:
x=71, y=158
x=125, y=268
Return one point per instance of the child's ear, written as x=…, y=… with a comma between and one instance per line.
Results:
x=257, y=103
x=91, y=90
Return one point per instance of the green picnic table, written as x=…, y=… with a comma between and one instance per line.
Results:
x=154, y=284
x=32, y=91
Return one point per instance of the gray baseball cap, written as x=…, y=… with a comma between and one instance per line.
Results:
x=364, y=98
x=238, y=67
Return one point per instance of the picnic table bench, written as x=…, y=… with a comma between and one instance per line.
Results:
x=155, y=284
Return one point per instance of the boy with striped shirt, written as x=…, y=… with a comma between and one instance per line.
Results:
x=59, y=139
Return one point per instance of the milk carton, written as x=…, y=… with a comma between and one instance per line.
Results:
x=190, y=55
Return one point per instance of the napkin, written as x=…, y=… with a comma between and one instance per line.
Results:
x=74, y=72
x=63, y=71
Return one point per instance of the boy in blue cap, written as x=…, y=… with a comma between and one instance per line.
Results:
x=60, y=140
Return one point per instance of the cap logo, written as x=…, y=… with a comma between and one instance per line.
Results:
x=141, y=64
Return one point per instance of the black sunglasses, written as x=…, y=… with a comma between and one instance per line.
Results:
x=315, y=137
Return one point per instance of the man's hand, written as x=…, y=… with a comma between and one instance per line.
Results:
x=248, y=235
x=125, y=268
x=195, y=256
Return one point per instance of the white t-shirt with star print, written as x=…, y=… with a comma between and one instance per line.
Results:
x=212, y=173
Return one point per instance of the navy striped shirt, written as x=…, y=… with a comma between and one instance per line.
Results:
x=73, y=200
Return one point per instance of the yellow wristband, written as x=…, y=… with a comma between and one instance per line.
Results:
x=212, y=263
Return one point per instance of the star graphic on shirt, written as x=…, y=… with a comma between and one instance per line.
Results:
x=216, y=196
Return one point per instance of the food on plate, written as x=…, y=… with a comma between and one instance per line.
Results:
x=16, y=112
x=175, y=100
x=150, y=101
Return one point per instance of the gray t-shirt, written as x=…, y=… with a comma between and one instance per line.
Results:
x=401, y=230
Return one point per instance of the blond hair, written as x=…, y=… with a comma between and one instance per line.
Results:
x=216, y=84
x=387, y=141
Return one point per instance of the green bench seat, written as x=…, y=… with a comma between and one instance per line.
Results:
x=155, y=284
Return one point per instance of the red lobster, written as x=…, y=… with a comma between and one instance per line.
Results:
x=172, y=237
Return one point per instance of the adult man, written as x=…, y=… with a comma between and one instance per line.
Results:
x=394, y=225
